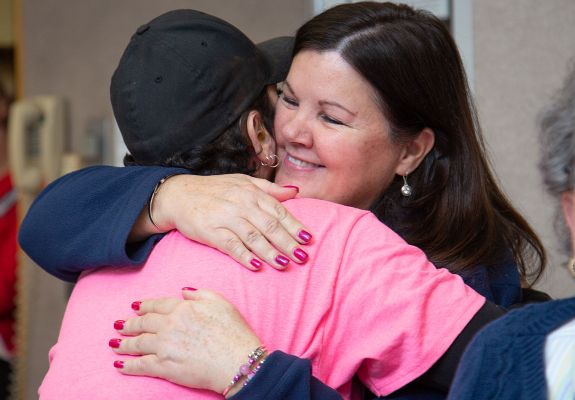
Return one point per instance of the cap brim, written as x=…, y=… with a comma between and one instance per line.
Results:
x=278, y=53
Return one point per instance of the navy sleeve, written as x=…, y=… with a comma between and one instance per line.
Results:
x=83, y=219
x=500, y=284
x=285, y=377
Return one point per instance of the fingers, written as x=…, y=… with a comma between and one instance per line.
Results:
x=248, y=245
x=159, y=306
x=280, y=228
x=266, y=231
x=229, y=243
x=136, y=346
x=251, y=241
x=277, y=211
x=148, y=365
x=148, y=323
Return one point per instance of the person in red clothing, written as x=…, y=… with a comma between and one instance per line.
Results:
x=8, y=250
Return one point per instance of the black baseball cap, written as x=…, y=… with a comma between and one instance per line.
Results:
x=185, y=77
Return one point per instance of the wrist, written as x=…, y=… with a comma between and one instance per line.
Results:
x=159, y=205
x=246, y=371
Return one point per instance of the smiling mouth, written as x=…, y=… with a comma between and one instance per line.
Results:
x=300, y=163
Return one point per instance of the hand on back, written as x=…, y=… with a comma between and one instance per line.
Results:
x=236, y=214
x=199, y=342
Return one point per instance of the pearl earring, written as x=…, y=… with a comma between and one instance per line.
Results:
x=406, y=189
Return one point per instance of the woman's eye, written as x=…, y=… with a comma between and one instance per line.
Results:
x=331, y=120
x=288, y=100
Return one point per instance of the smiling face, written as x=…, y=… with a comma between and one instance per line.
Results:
x=332, y=138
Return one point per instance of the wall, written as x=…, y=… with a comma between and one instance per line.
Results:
x=6, y=23
x=522, y=50
x=7, y=46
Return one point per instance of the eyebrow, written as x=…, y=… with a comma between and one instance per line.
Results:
x=331, y=103
x=323, y=102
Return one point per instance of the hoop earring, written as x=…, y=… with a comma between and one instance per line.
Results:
x=571, y=266
x=272, y=159
x=406, y=190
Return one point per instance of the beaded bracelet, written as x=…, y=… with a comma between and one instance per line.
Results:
x=153, y=196
x=249, y=369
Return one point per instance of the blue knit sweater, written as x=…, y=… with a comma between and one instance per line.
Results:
x=505, y=361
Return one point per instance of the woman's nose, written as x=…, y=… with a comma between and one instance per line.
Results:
x=297, y=130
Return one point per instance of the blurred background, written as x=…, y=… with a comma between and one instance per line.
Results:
x=57, y=58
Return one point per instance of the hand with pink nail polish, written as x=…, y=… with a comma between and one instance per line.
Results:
x=192, y=334
x=239, y=215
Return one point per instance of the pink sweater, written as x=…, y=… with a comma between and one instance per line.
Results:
x=365, y=303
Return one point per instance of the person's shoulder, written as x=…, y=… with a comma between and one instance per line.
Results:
x=532, y=319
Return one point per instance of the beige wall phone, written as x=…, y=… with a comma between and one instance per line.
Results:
x=36, y=142
x=36, y=135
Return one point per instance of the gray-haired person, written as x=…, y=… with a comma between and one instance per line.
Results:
x=530, y=353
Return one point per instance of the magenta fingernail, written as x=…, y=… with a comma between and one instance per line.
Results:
x=136, y=305
x=292, y=187
x=257, y=264
x=304, y=235
x=282, y=260
x=189, y=288
x=119, y=364
x=114, y=343
x=300, y=254
x=119, y=324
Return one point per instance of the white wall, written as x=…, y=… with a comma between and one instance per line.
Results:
x=522, y=49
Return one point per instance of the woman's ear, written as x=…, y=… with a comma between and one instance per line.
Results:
x=261, y=139
x=415, y=151
x=568, y=207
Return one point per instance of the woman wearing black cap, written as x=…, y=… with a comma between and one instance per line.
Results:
x=437, y=216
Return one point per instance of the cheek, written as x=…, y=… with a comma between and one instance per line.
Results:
x=377, y=160
x=280, y=120
x=359, y=152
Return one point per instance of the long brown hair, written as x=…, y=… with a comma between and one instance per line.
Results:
x=457, y=214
